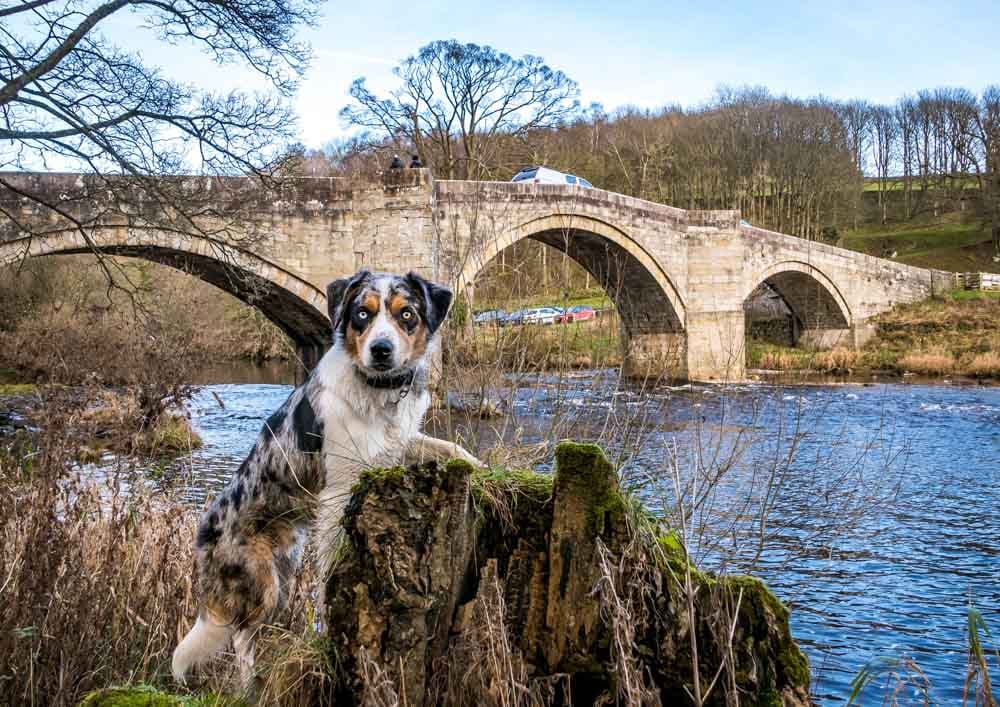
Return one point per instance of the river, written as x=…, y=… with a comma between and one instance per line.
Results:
x=881, y=502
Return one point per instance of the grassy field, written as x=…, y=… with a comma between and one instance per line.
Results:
x=899, y=184
x=955, y=246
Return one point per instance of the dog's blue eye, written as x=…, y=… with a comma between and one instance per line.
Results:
x=362, y=314
x=407, y=315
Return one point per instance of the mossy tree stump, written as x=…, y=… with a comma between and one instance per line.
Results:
x=464, y=587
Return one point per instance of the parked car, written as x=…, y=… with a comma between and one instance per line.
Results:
x=544, y=175
x=579, y=313
x=542, y=315
x=489, y=316
x=515, y=318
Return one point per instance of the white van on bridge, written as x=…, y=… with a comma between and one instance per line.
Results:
x=544, y=175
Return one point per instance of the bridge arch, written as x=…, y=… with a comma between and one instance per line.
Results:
x=651, y=309
x=629, y=274
x=295, y=305
x=818, y=308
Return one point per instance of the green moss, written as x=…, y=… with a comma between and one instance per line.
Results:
x=671, y=543
x=458, y=467
x=677, y=563
x=147, y=696
x=791, y=661
x=538, y=487
x=9, y=389
x=794, y=665
x=583, y=461
x=768, y=698
x=394, y=476
x=755, y=591
x=378, y=475
x=512, y=500
x=706, y=580
x=585, y=468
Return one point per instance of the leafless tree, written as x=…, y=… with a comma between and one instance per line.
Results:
x=456, y=102
x=72, y=99
x=906, y=118
x=983, y=145
x=883, y=143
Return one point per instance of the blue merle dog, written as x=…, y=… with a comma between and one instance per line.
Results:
x=362, y=406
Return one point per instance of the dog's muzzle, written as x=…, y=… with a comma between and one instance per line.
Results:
x=381, y=352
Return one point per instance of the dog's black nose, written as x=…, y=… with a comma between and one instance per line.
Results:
x=381, y=350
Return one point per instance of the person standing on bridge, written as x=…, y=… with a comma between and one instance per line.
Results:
x=396, y=163
x=415, y=163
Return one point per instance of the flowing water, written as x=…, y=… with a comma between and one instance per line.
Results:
x=882, y=502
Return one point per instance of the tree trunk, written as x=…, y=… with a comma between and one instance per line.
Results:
x=461, y=588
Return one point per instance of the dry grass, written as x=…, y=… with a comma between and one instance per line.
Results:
x=985, y=365
x=933, y=362
x=110, y=420
x=775, y=358
x=955, y=336
x=49, y=297
x=621, y=600
x=780, y=361
x=959, y=335
x=73, y=558
x=296, y=667
x=96, y=586
x=590, y=344
x=837, y=360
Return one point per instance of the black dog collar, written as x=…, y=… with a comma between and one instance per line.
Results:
x=398, y=380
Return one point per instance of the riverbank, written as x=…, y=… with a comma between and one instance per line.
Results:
x=532, y=347
x=958, y=335
x=94, y=422
x=62, y=321
x=857, y=493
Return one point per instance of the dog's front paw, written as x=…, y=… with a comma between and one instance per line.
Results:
x=468, y=458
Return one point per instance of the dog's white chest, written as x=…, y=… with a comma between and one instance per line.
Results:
x=350, y=439
x=364, y=427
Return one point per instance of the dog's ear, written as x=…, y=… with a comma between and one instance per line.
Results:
x=437, y=299
x=336, y=295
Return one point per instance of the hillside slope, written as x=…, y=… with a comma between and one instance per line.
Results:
x=946, y=244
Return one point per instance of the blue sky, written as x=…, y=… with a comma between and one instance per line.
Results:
x=642, y=53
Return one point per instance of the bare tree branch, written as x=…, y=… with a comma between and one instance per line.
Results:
x=70, y=98
x=463, y=100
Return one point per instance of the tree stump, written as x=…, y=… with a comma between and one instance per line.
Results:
x=460, y=587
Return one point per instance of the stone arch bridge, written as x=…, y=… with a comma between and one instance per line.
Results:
x=679, y=278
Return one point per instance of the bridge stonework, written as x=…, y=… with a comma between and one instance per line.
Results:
x=679, y=279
